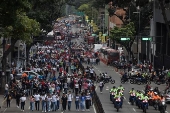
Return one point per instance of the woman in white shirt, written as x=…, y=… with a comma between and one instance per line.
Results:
x=22, y=99
x=54, y=101
x=44, y=102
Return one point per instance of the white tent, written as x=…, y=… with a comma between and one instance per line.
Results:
x=50, y=33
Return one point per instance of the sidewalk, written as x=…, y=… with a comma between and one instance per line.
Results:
x=2, y=104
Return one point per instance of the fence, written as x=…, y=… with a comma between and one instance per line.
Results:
x=97, y=104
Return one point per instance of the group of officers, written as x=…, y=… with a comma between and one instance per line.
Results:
x=146, y=99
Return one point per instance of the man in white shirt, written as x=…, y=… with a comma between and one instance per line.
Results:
x=37, y=101
x=70, y=97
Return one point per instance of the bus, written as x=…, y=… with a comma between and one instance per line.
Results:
x=110, y=55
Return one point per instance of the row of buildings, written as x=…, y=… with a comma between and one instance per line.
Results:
x=156, y=50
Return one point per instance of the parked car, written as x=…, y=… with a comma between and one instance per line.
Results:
x=134, y=70
x=167, y=96
x=32, y=74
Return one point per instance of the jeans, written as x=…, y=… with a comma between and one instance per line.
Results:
x=22, y=105
x=44, y=105
x=77, y=105
x=48, y=105
x=31, y=106
x=54, y=104
x=58, y=104
x=101, y=88
x=82, y=104
x=37, y=104
x=69, y=105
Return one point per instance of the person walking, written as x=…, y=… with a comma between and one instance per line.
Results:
x=54, y=101
x=37, y=101
x=8, y=99
x=101, y=85
x=18, y=96
x=88, y=100
x=77, y=101
x=82, y=102
x=32, y=100
x=23, y=99
x=64, y=101
x=49, y=98
x=76, y=87
x=43, y=102
x=70, y=97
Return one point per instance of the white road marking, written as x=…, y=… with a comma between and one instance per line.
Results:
x=134, y=110
x=124, y=97
x=143, y=91
x=96, y=88
x=128, y=102
x=107, y=88
x=29, y=107
x=166, y=111
x=6, y=108
x=94, y=109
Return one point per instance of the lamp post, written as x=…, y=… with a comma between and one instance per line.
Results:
x=138, y=34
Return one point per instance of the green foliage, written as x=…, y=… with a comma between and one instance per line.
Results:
x=45, y=12
x=126, y=31
x=14, y=21
x=90, y=11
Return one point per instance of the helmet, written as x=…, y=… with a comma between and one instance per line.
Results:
x=151, y=89
x=132, y=88
x=155, y=93
x=114, y=87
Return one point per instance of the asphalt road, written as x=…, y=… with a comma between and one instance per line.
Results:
x=104, y=97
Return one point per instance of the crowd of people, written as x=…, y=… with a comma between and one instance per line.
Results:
x=61, y=79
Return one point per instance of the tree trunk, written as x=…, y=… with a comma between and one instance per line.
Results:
x=27, y=52
x=4, y=62
x=162, y=6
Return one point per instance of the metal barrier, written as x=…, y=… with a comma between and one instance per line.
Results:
x=97, y=104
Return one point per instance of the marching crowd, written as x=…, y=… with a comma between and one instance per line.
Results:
x=61, y=79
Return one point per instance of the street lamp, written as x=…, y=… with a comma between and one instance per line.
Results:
x=138, y=34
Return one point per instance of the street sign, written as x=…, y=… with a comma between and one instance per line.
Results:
x=93, y=34
x=146, y=38
x=125, y=39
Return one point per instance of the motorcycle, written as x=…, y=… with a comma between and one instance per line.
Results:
x=109, y=79
x=124, y=80
x=155, y=104
x=117, y=104
x=132, y=100
x=145, y=105
x=162, y=107
x=139, y=103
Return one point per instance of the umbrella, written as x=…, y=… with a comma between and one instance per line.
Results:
x=24, y=75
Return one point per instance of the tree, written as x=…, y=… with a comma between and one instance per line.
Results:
x=46, y=12
x=127, y=31
x=91, y=12
x=15, y=25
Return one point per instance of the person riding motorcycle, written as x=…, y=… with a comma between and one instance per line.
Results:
x=155, y=98
x=124, y=77
x=156, y=90
x=121, y=88
x=118, y=98
x=145, y=99
x=132, y=93
x=112, y=93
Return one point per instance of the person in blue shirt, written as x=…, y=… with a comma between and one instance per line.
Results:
x=82, y=101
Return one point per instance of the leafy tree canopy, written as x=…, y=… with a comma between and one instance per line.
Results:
x=14, y=21
x=45, y=12
x=89, y=11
